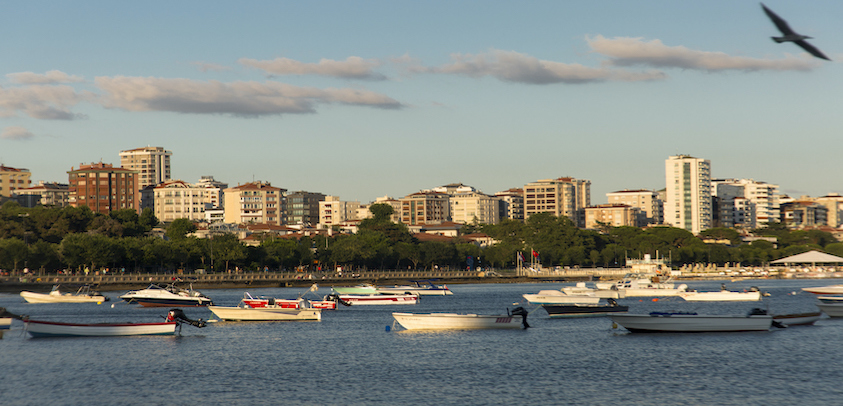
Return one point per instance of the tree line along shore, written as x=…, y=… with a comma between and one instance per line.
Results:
x=46, y=240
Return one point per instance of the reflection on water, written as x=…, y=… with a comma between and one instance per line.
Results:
x=349, y=358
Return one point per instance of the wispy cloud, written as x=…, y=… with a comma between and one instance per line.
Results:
x=46, y=102
x=16, y=133
x=210, y=67
x=626, y=52
x=352, y=68
x=53, y=76
x=235, y=98
x=510, y=66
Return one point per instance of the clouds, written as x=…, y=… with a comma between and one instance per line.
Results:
x=51, y=77
x=44, y=102
x=235, y=98
x=627, y=52
x=353, y=67
x=16, y=133
x=510, y=66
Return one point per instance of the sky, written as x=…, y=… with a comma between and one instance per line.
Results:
x=385, y=98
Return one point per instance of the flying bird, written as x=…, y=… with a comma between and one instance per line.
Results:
x=791, y=36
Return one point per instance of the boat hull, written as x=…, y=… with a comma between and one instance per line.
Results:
x=265, y=314
x=582, y=310
x=453, y=321
x=5, y=323
x=832, y=306
x=801, y=319
x=164, y=302
x=32, y=297
x=558, y=297
x=826, y=290
x=38, y=329
x=721, y=296
x=416, y=290
x=691, y=323
x=380, y=299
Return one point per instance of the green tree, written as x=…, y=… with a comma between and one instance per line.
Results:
x=179, y=229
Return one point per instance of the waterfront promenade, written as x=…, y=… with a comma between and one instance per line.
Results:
x=117, y=281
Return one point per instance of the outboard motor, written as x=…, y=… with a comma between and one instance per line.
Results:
x=178, y=316
x=6, y=313
x=336, y=298
x=520, y=311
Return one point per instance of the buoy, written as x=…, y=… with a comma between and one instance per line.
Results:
x=112, y=305
x=614, y=325
x=99, y=303
x=655, y=299
x=388, y=328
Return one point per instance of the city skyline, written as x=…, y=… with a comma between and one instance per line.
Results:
x=388, y=98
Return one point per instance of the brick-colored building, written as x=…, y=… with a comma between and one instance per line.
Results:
x=103, y=188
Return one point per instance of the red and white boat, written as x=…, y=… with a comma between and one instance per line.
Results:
x=259, y=302
x=380, y=299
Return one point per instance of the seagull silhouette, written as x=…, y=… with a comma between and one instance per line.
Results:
x=791, y=36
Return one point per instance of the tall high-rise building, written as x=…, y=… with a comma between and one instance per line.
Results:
x=152, y=164
x=12, y=179
x=104, y=188
x=561, y=197
x=688, y=193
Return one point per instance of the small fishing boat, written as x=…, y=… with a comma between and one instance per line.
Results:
x=559, y=297
x=798, y=319
x=644, y=285
x=268, y=312
x=721, y=296
x=83, y=295
x=422, y=287
x=454, y=321
x=300, y=303
x=831, y=305
x=167, y=296
x=582, y=289
x=379, y=299
x=583, y=309
x=658, y=322
x=825, y=290
x=361, y=289
x=39, y=329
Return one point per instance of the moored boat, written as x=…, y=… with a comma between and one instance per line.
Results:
x=582, y=289
x=658, y=322
x=380, y=299
x=644, y=285
x=5, y=323
x=559, y=297
x=583, y=309
x=361, y=289
x=265, y=313
x=300, y=303
x=425, y=288
x=831, y=305
x=797, y=319
x=454, y=321
x=39, y=329
x=83, y=295
x=167, y=296
x=721, y=296
x=825, y=290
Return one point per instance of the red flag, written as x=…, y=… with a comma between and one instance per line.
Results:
x=535, y=254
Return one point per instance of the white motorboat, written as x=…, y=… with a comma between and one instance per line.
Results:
x=721, y=296
x=657, y=322
x=53, y=329
x=582, y=289
x=361, y=289
x=379, y=299
x=266, y=313
x=644, y=285
x=426, y=288
x=83, y=295
x=797, y=319
x=454, y=321
x=5, y=323
x=825, y=290
x=831, y=305
x=167, y=296
x=559, y=297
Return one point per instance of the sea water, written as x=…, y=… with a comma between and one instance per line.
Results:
x=352, y=358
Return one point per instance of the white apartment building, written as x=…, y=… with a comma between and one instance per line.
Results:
x=615, y=215
x=762, y=204
x=512, y=204
x=213, y=190
x=688, y=193
x=834, y=203
x=333, y=211
x=470, y=206
x=255, y=202
x=177, y=199
x=648, y=201
x=152, y=164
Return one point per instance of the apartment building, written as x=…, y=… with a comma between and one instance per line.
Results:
x=255, y=202
x=688, y=193
x=468, y=207
x=175, y=199
x=762, y=201
x=103, y=188
x=615, y=215
x=648, y=201
x=213, y=190
x=511, y=204
x=12, y=179
x=425, y=208
x=833, y=203
x=50, y=194
x=333, y=211
x=152, y=164
x=803, y=213
x=302, y=208
x=564, y=196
